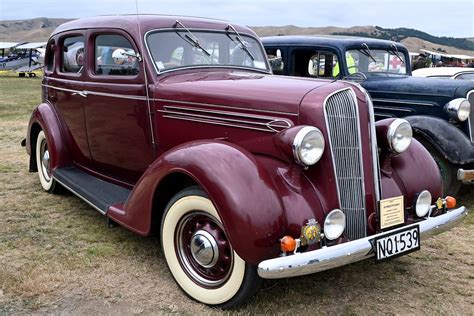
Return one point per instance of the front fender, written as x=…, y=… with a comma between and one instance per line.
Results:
x=44, y=118
x=240, y=188
x=451, y=142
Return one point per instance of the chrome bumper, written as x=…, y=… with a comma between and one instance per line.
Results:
x=335, y=256
x=466, y=175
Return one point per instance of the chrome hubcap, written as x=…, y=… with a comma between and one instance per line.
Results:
x=45, y=161
x=204, y=249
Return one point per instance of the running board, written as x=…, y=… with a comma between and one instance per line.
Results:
x=97, y=193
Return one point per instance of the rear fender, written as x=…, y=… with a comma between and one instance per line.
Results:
x=239, y=186
x=450, y=141
x=44, y=118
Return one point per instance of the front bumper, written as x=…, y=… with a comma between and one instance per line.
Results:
x=335, y=256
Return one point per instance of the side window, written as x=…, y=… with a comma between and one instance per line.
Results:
x=49, y=56
x=276, y=60
x=73, y=54
x=114, y=55
x=311, y=63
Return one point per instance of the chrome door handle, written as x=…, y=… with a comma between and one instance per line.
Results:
x=82, y=94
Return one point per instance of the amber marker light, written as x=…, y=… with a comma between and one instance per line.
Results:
x=450, y=202
x=287, y=244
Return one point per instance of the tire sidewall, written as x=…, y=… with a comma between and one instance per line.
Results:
x=181, y=205
x=47, y=185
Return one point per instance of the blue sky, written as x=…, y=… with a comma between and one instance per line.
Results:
x=437, y=17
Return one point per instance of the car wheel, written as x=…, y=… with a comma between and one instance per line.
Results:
x=451, y=184
x=43, y=164
x=199, y=254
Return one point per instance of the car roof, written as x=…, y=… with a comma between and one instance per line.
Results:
x=332, y=40
x=440, y=71
x=147, y=22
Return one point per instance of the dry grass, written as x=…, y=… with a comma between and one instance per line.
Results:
x=58, y=256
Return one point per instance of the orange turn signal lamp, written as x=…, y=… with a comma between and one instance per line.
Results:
x=450, y=202
x=287, y=244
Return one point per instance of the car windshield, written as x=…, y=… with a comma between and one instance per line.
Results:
x=375, y=61
x=181, y=48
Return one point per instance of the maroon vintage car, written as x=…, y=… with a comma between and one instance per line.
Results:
x=175, y=125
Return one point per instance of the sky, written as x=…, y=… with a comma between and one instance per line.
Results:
x=453, y=18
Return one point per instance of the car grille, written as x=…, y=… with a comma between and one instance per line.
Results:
x=342, y=120
x=470, y=97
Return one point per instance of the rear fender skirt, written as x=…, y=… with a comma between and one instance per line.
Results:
x=450, y=141
x=240, y=187
x=46, y=118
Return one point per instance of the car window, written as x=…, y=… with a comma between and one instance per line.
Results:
x=73, y=54
x=318, y=64
x=276, y=60
x=467, y=76
x=49, y=57
x=375, y=61
x=114, y=55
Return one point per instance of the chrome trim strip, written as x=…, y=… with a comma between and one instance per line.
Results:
x=225, y=107
x=470, y=119
x=103, y=94
x=80, y=196
x=385, y=115
x=393, y=108
x=339, y=255
x=217, y=123
x=375, y=151
x=403, y=102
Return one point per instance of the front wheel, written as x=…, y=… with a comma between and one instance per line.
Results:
x=43, y=164
x=199, y=254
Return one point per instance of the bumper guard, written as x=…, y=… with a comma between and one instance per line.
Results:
x=335, y=256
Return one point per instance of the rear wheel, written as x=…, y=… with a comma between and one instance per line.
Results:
x=43, y=164
x=199, y=254
x=451, y=184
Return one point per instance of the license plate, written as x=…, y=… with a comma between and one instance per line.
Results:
x=397, y=243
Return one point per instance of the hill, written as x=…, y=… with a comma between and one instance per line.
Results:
x=39, y=29
x=413, y=39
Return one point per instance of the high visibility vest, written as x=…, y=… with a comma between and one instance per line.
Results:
x=351, y=66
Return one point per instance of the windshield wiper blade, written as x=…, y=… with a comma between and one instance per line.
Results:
x=240, y=40
x=396, y=52
x=366, y=51
x=191, y=38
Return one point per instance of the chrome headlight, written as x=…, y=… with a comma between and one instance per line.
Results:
x=334, y=224
x=399, y=135
x=459, y=109
x=308, y=146
x=423, y=203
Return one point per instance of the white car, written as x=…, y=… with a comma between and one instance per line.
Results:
x=445, y=72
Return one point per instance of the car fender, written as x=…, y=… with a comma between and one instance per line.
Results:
x=239, y=186
x=451, y=142
x=44, y=118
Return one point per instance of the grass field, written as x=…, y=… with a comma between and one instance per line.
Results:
x=58, y=256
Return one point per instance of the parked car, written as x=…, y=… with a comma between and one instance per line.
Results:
x=460, y=73
x=176, y=126
x=438, y=110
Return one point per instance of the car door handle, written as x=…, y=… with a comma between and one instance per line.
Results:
x=82, y=94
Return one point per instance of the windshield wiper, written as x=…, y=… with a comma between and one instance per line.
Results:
x=191, y=38
x=239, y=39
x=396, y=52
x=366, y=51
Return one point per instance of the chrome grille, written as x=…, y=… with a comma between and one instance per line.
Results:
x=342, y=120
x=470, y=97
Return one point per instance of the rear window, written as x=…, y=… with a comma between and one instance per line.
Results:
x=73, y=54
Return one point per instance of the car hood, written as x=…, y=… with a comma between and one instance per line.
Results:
x=415, y=88
x=247, y=90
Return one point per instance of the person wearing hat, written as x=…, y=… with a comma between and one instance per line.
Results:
x=419, y=62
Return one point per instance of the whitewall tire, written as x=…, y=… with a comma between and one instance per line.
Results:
x=43, y=163
x=199, y=255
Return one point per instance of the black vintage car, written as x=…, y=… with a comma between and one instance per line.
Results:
x=439, y=110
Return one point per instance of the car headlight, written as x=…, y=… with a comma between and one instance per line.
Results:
x=459, y=109
x=399, y=135
x=423, y=203
x=308, y=146
x=334, y=224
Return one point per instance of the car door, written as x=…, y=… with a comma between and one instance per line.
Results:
x=314, y=62
x=118, y=125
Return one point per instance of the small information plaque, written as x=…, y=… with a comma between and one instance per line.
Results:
x=391, y=212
